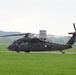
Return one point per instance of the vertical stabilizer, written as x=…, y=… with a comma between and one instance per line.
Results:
x=72, y=40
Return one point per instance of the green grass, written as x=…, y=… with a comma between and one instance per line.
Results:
x=12, y=63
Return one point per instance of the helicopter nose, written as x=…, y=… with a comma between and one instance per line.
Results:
x=9, y=48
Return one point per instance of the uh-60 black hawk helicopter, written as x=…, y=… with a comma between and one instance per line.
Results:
x=28, y=43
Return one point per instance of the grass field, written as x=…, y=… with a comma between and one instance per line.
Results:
x=12, y=63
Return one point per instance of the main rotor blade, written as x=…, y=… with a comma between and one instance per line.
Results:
x=13, y=35
x=74, y=26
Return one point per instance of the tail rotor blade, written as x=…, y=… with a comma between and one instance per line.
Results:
x=74, y=33
x=70, y=33
x=74, y=26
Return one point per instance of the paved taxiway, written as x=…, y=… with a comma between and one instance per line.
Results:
x=43, y=52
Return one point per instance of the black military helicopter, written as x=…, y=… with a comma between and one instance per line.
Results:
x=27, y=43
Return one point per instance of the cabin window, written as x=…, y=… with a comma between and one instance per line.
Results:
x=24, y=44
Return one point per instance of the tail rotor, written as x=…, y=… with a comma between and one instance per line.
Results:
x=72, y=39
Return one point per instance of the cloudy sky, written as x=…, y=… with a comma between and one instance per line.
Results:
x=55, y=16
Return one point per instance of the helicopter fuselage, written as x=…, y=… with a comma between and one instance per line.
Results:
x=28, y=45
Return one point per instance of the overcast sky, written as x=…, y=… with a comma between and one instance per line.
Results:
x=55, y=16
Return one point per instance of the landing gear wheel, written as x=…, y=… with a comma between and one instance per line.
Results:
x=27, y=51
x=18, y=51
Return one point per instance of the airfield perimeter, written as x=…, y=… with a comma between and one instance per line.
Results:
x=37, y=63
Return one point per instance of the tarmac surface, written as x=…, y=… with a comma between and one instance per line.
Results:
x=56, y=52
x=43, y=52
